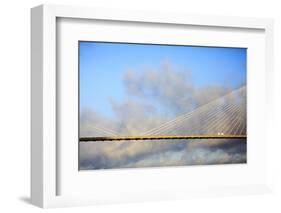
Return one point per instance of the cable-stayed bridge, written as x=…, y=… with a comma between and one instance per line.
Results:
x=222, y=118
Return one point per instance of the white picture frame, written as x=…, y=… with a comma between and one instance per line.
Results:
x=46, y=161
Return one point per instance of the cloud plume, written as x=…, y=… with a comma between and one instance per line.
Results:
x=154, y=97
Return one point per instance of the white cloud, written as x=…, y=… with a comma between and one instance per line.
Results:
x=154, y=97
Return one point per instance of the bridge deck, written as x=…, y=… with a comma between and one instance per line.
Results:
x=170, y=137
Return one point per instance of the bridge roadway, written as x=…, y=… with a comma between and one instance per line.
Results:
x=162, y=137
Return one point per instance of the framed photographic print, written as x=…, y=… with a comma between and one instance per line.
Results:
x=130, y=106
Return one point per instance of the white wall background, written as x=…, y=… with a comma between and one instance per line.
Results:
x=15, y=104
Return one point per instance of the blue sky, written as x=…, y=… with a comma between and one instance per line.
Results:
x=102, y=67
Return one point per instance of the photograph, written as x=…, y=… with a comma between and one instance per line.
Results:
x=161, y=105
